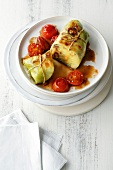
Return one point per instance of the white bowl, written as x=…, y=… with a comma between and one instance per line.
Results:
x=97, y=43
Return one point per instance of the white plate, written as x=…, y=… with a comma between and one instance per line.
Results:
x=97, y=43
x=20, y=84
x=83, y=107
x=31, y=94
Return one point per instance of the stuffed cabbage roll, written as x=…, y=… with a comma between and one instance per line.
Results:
x=70, y=46
x=40, y=67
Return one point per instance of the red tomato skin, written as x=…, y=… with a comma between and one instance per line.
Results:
x=54, y=38
x=48, y=31
x=43, y=43
x=60, y=85
x=34, y=49
x=75, y=78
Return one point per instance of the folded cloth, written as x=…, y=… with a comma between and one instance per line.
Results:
x=51, y=138
x=20, y=145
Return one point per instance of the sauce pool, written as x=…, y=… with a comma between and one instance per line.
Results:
x=60, y=70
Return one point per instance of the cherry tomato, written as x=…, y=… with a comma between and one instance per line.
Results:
x=43, y=43
x=48, y=31
x=60, y=85
x=54, y=38
x=75, y=78
x=34, y=49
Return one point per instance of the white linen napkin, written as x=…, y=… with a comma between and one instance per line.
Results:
x=20, y=145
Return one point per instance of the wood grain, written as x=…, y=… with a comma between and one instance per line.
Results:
x=87, y=138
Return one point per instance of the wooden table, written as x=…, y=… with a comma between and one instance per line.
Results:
x=87, y=138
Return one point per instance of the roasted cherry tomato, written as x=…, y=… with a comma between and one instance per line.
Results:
x=60, y=85
x=34, y=49
x=75, y=78
x=43, y=43
x=54, y=38
x=48, y=31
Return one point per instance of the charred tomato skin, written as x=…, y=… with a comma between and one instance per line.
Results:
x=48, y=31
x=60, y=84
x=34, y=49
x=75, y=78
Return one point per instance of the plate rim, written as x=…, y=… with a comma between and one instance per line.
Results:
x=11, y=78
x=66, y=93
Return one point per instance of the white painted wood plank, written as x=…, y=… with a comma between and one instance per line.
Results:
x=87, y=138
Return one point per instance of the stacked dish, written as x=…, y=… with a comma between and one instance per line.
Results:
x=16, y=50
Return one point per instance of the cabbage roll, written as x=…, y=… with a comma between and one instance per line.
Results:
x=70, y=46
x=39, y=67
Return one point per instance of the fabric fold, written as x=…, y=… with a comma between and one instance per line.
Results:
x=24, y=145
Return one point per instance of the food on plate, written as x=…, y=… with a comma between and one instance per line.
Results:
x=75, y=77
x=70, y=46
x=38, y=45
x=34, y=49
x=55, y=61
x=40, y=67
x=54, y=38
x=60, y=85
x=43, y=43
x=49, y=32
